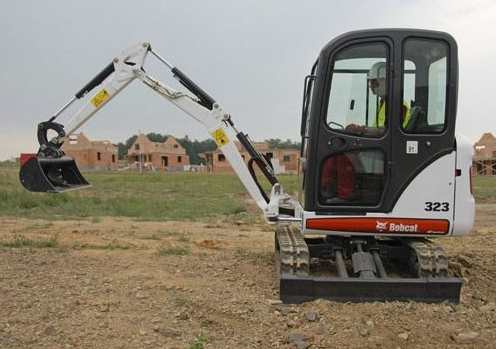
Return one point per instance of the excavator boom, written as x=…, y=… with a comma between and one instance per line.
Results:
x=52, y=171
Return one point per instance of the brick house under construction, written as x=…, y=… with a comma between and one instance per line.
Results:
x=484, y=162
x=284, y=160
x=168, y=155
x=99, y=155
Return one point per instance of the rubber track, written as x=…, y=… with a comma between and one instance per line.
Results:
x=293, y=251
x=431, y=259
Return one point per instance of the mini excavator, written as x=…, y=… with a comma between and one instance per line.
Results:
x=381, y=171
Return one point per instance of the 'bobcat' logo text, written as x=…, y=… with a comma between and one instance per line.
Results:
x=396, y=227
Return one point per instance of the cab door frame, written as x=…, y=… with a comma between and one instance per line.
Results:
x=322, y=138
x=394, y=141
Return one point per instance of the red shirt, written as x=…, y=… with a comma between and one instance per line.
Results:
x=338, y=172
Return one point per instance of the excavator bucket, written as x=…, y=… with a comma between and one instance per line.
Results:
x=51, y=175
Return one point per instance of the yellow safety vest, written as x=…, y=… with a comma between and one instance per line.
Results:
x=381, y=116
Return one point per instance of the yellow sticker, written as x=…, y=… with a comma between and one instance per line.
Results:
x=99, y=98
x=220, y=137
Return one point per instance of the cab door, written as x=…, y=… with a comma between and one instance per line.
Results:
x=364, y=144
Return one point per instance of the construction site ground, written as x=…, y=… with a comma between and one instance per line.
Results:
x=125, y=283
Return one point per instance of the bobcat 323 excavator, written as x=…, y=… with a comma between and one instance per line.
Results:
x=381, y=171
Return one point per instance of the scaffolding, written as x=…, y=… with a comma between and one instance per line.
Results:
x=484, y=167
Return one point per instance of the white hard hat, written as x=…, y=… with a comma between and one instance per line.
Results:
x=377, y=71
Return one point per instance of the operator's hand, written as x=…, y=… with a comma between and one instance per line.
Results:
x=355, y=129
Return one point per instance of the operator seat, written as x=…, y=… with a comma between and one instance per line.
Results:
x=417, y=120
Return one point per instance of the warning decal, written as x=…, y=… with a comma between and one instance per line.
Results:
x=99, y=98
x=220, y=137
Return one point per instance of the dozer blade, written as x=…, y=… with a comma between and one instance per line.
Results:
x=51, y=175
x=298, y=289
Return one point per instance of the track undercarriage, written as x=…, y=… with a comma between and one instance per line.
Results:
x=357, y=269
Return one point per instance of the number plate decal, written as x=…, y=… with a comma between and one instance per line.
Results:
x=437, y=206
x=412, y=147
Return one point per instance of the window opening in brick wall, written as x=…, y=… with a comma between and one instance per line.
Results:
x=73, y=139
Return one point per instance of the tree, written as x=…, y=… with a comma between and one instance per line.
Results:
x=276, y=143
x=123, y=147
x=157, y=137
x=194, y=148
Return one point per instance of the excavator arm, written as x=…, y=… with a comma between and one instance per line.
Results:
x=52, y=171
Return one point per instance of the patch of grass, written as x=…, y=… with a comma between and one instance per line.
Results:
x=238, y=208
x=183, y=238
x=180, y=302
x=484, y=187
x=256, y=256
x=151, y=237
x=180, y=236
x=156, y=196
x=131, y=233
x=206, y=323
x=21, y=241
x=172, y=251
x=108, y=246
x=43, y=225
x=169, y=233
x=199, y=341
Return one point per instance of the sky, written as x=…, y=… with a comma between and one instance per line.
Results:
x=252, y=56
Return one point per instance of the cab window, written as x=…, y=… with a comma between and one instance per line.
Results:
x=358, y=90
x=353, y=178
x=425, y=81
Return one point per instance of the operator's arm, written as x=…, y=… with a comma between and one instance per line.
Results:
x=361, y=130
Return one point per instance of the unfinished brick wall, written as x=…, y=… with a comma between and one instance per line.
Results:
x=99, y=155
x=484, y=162
x=162, y=156
x=286, y=158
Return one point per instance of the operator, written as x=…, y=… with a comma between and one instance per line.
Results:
x=376, y=79
x=377, y=83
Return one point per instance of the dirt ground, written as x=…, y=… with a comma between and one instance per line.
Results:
x=121, y=283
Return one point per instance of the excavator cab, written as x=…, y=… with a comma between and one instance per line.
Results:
x=379, y=108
